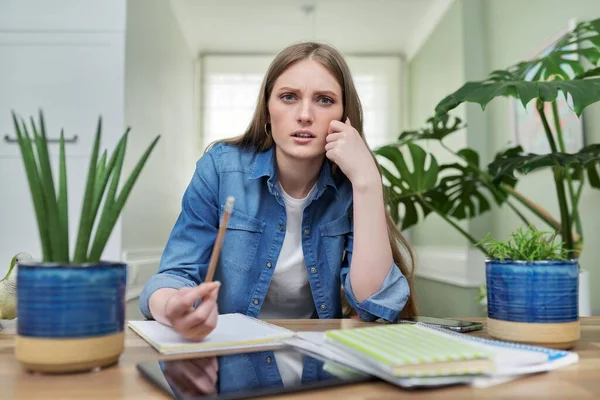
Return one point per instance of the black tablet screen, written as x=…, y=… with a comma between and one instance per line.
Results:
x=245, y=375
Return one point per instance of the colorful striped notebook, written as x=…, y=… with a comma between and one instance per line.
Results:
x=405, y=350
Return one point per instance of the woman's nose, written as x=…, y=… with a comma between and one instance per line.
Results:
x=305, y=112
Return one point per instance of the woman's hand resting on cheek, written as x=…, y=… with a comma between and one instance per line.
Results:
x=193, y=323
x=346, y=148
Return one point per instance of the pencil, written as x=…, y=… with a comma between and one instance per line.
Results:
x=214, y=257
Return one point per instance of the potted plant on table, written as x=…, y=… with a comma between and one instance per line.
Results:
x=71, y=310
x=532, y=289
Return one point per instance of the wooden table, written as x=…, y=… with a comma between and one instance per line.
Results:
x=124, y=382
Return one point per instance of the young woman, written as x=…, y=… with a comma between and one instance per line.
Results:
x=309, y=217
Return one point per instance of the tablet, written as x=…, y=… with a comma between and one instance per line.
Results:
x=245, y=375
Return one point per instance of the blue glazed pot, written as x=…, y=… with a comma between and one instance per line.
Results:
x=70, y=318
x=542, y=294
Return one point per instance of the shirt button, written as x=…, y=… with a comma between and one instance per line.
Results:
x=281, y=227
x=307, y=232
x=268, y=360
x=276, y=194
x=269, y=265
x=255, y=301
x=323, y=307
x=313, y=270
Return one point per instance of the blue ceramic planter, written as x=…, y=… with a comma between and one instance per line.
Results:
x=535, y=302
x=77, y=312
x=541, y=291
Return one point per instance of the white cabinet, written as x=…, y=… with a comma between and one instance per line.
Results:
x=74, y=78
x=62, y=15
x=66, y=57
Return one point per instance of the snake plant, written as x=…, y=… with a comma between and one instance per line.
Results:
x=51, y=203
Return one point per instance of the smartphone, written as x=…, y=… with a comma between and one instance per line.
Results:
x=451, y=324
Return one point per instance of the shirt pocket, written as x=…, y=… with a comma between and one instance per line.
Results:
x=334, y=235
x=241, y=241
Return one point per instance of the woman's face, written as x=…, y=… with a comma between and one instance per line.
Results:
x=305, y=99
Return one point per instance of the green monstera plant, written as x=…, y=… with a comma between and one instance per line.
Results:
x=464, y=189
x=459, y=190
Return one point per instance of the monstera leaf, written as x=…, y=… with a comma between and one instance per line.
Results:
x=564, y=61
x=439, y=129
x=466, y=188
x=543, y=78
x=587, y=157
x=508, y=180
x=411, y=187
x=463, y=189
x=583, y=92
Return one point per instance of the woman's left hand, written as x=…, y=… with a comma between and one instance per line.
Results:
x=349, y=151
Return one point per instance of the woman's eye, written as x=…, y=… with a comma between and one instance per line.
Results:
x=288, y=97
x=325, y=100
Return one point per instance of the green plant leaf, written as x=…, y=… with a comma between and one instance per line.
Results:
x=63, y=200
x=559, y=70
x=526, y=245
x=112, y=213
x=462, y=186
x=438, y=130
x=564, y=58
x=47, y=181
x=467, y=189
x=527, y=163
x=410, y=188
x=593, y=175
x=35, y=185
x=105, y=224
x=100, y=170
x=104, y=174
x=510, y=152
x=582, y=92
x=86, y=219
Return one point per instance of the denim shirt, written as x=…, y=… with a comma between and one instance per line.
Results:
x=255, y=236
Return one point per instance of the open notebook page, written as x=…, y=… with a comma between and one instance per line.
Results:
x=232, y=331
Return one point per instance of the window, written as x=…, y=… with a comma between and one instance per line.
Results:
x=230, y=87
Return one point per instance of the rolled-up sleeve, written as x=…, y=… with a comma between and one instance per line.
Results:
x=386, y=303
x=184, y=261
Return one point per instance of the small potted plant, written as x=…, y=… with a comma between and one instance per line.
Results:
x=532, y=289
x=71, y=310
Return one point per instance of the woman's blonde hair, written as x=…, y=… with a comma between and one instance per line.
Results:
x=257, y=137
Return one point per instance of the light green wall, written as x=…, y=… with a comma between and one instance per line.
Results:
x=437, y=299
x=437, y=70
x=513, y=30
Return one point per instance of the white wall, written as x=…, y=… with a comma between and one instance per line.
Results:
x=159, y=99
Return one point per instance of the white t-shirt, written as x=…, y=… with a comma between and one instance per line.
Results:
x=289, y=294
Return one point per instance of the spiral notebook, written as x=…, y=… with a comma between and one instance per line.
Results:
x=512, y=358
x=433, y=347
x=233, y=331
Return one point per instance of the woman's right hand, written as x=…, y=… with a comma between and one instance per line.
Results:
x=193, y=323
